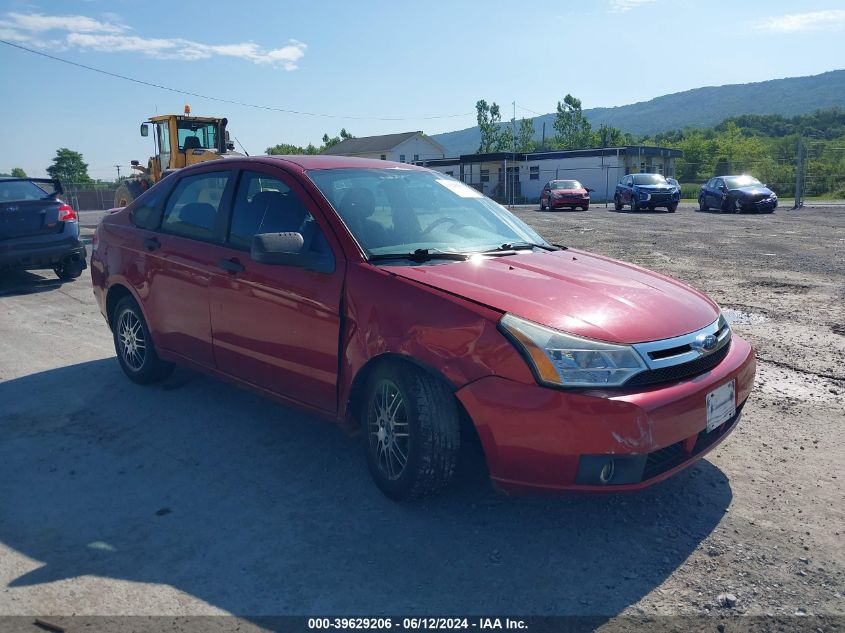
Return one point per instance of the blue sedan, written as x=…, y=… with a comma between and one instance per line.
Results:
x=736, y=194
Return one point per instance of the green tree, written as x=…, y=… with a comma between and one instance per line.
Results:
x=493, y=137
x=573, y=129
x=608, y=136
x=331, y=141
x=525, y=136
x=68, y=167
x=287, y=148
x=17, y=172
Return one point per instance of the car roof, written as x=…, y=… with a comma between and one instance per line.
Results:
x=307, y=162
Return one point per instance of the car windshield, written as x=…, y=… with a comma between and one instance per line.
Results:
x=401, y=211
x=566, y=184
x=17, y=190
x=649, y=179
x=734, y=182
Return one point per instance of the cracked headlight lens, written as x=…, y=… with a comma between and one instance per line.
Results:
x=564, y=360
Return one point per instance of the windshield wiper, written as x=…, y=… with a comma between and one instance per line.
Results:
x=511, y=247
x=420, y=255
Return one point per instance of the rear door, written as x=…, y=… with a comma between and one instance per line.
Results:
x=180, y=259
x=277, y=326
x=26, y=210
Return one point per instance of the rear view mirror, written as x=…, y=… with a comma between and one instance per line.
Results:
x=145, y=129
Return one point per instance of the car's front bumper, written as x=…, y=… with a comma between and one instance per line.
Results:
x=766, y=204
x=538, y=438
x=43, y=251
x=556, y=203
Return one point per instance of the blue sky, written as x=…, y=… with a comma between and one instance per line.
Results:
x=372, y=59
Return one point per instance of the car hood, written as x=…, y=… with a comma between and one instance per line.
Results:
x=575, y=291
x=656, y=187
x=755, y=190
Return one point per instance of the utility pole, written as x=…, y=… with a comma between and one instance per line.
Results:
x=118, y=172
x=799, y=195
x=543, y=144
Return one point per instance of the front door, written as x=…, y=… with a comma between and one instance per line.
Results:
x=274, y=326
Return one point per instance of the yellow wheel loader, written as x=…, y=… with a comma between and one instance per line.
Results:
x=180, y=140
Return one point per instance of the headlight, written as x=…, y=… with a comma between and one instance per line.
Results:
x=564, y=360
x=643, y=195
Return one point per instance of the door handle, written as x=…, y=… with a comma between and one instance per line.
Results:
x=152, y=243
x=231, y=265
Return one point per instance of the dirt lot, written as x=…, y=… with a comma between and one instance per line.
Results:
x=194, y=497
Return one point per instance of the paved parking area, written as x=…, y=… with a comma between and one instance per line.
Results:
x=194, y=497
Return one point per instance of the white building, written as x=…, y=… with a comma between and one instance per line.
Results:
x=406, y=147
x=527, y=173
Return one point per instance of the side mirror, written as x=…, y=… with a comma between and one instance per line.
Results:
x=145, y=129
x=134, y=163
x=278, y=248
x=589, y=190
x=286, y=249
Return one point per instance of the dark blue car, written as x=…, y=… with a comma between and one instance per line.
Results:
x=736, y=194
x=38, y=229
x=646, y=191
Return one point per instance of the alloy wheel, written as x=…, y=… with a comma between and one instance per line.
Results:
x=130, y=335
x=388, y=429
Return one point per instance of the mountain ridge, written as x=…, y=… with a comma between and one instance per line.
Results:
x=701, y=107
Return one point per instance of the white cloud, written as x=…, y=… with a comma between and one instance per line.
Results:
x=111, y=36
x=830, y=20
x=622, y=6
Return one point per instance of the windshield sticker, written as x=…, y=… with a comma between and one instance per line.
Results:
x=459, y=188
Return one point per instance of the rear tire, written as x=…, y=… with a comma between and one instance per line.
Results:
x=134, y=345
x=69, y=271
x=411, y=431
x=127, y=191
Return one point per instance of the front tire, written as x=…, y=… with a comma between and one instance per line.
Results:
x=635, y=206
x=411, y=429
x=617, y=202
x=672, y=208
x=702, y=205
x=134, y=345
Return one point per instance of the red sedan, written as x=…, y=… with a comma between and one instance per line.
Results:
x=403, y=304
x=558, y=194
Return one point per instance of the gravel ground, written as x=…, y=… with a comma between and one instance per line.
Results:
x=197, y=498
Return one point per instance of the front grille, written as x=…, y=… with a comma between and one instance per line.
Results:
x=679, y=372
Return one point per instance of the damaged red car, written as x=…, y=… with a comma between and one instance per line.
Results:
x=407, y=307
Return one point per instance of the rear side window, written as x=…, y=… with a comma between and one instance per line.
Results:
x=192, y=208
x=19, y=190
x=264, y=204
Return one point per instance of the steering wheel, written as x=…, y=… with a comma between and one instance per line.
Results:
x=440, y=221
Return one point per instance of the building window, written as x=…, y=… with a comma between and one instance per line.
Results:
x=642, y=168
x=384, y=156
x=534, y=173
x=485, y=175
x=658, y=168
x=401, y=158
x=416, y=157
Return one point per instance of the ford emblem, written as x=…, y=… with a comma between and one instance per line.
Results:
x=704, y=343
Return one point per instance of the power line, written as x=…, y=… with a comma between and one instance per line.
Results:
x=230, y=101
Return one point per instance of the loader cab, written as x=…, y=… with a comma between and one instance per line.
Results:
x=183, y=140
